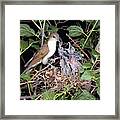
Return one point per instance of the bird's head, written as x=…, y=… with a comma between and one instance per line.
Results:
x=54, y=36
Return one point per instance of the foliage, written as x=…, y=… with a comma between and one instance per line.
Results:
x=75, y=31
x=84, y=95
x=25, y=30
x=83, y=35
x=25, y=77
x=48, y=95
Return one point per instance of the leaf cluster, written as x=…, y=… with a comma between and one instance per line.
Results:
x=83, y=35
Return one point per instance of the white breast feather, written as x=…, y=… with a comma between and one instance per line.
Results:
x=52, y=49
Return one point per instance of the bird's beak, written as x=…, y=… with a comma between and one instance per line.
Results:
x=59, y=40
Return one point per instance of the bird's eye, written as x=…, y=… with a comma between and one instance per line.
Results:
x=53, y=36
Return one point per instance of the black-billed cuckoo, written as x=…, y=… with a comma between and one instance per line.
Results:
x=46, y=51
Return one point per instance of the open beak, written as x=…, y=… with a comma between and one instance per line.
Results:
x=59, y=40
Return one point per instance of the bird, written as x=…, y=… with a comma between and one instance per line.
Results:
x=44, y=53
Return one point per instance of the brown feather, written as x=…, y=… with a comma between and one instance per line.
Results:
x=40, y=55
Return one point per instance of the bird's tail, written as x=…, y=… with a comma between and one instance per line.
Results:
x=29, y=66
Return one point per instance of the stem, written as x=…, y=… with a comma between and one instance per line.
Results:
x=28, y=47
x=78, y=46
x=27, y=82
x=43, y=33
x=55, y=23
x=94, y=63
x=36, y=25
x=84, y=34
x=49, y=22
x=90, y=34
x=29, y=89
x=95, y=30
x=40, y=24
x=38, y=97
x=26, y=97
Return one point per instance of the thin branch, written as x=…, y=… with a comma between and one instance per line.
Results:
x=40, y=24
x=38, y=97
x=62, y=21
x=84, y=34
x=55, y=22
x=27, y=97
x=29, y=89
x=43, y=33
x=88, y=27
x=78, y=46
x=49, y=22
x=95, y=63
x=45, y=68
x=36, y=25
x=26, y=82
x=89, y=34
x=28, y=47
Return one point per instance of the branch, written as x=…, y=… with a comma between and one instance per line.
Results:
x=78, y=46
x=28, y=47
x=89, y=34
x=36, y=25
x=43, y=33
x=26, y=82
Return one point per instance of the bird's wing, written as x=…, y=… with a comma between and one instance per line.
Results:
x=39, y=55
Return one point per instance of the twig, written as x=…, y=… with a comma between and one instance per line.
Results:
x=23, y=59
x=28, y=47
x=40, y=24
x=26, y=82
x=26, y=97
x=84, y=34
x=55, y=22
x=49, y=22
x=43, y=33
x=62, y=21
x=45, y=68
x=36, y=25
x=34, y=75
x=94, y=63
x=89, y=34
x=78, y=46
x=88, y=27
x=38, y=97
x=29, y=89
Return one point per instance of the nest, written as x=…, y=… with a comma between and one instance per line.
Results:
x=57, y=78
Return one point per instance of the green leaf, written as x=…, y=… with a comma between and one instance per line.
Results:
x=25, y=30
x=31, y=40
x=95, y=54
x=23, y=44
x=87, y=65
x=98, y=90
x=58, y=96
x=48, y=95
x=85, y=95
x=81, y=69
x=87, y=75
x=25, y=77
x=75, y=31
x=46, y=27
x=36, y=46
x=53, y=29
